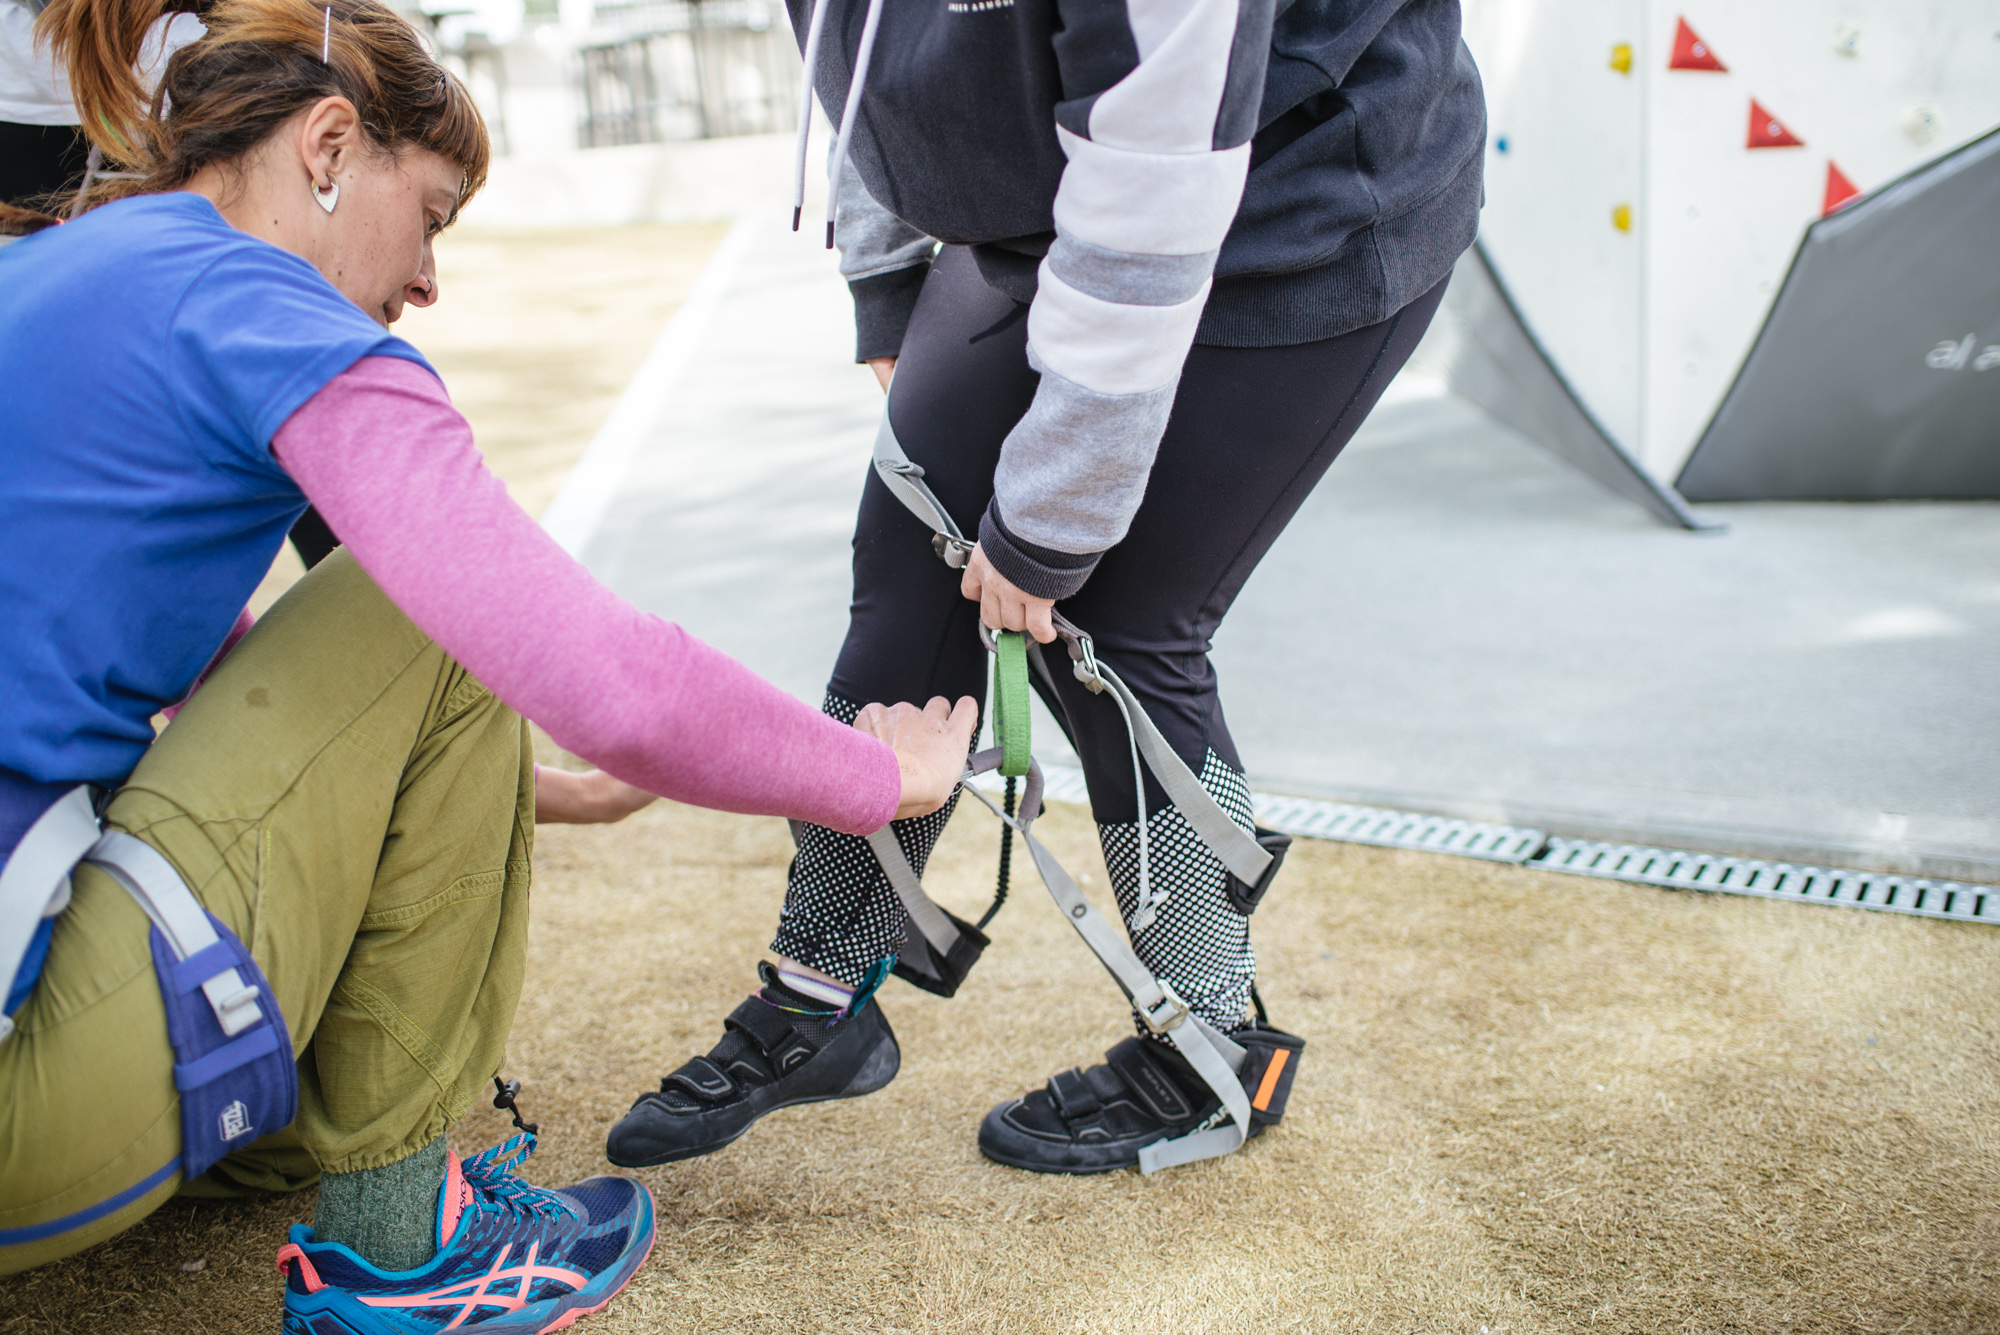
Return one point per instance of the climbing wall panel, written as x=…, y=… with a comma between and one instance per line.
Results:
x=1562, y=161
x=1728, y=129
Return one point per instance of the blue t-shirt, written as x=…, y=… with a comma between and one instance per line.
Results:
x=148, y=353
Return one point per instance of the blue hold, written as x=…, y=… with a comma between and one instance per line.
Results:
x=1500, y=144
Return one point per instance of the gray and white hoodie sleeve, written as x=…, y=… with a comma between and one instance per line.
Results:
x=1156, y=167
x=884, y=261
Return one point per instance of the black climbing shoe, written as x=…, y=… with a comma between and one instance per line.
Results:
x=778, y=1048
x=1097, y=1120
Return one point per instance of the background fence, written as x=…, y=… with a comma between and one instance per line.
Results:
x=687, y=69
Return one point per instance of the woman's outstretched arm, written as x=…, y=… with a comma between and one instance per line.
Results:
x=391, y=464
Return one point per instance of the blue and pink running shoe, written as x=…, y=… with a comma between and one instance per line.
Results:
x=511, y=1257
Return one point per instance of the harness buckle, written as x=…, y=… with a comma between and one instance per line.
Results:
x=1171, y=1007
x=1083, y=661
x=954, y=552
x=237, y=1011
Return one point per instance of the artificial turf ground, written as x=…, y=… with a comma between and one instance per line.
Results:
x=1531, y=1102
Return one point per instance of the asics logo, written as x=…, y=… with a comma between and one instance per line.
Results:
x=487, y=1290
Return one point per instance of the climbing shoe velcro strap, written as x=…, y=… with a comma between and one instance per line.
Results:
x=1270, y=1062
x=771, y=1030
x=1073, y=1095
x=702, y=1078
x=1148, y=1080
x=769, y=1027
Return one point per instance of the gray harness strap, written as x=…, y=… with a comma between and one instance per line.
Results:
x=1238, y=851
x=35, y=885
x=924, y=913
x=905, y=481
x=1235, y=848
x=35, y=882
x=152, y=880
x=1232, y=845
x=1214, y=1056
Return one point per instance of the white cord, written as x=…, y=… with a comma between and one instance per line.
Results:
x=813, y=29
x=1143, y=915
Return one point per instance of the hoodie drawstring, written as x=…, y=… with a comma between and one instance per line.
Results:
x=813, y=28
x=855, y=88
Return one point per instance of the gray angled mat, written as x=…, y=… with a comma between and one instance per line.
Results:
x=1877, y=374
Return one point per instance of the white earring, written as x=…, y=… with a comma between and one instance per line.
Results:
x=328, y=197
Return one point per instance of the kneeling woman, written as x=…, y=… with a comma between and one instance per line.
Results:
x=332, y=837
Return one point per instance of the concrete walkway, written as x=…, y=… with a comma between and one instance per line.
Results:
x=1456, y=623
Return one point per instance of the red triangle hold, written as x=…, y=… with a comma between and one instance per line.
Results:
x=1839, y=189
x=1767, y=131
x=1691, y=53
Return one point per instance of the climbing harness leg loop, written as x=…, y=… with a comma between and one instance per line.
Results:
x=152, y=881
x=942, y=947
x=233, y=1065
x=1250, y=859
x=1245, y=898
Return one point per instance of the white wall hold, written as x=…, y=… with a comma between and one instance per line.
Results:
x=1922, y=123
x=1846, y=40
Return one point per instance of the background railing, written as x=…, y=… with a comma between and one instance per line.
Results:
x=686, y=69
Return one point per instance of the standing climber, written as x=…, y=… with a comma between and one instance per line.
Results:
x=1140, y=269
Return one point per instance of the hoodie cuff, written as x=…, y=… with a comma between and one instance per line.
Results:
x=1040, y=571
x=882, y=306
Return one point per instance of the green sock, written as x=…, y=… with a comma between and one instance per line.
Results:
x=386, y=1215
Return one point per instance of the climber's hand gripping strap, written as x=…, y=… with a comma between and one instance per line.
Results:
x=1237, y=850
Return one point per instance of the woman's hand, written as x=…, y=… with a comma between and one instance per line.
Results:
x=1002, y=605
x=883, y=367
x=931, y=745
x=590, y=798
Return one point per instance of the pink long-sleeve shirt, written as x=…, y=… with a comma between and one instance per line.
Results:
x=392, y=467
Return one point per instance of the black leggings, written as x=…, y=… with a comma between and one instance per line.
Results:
x=1252, y=431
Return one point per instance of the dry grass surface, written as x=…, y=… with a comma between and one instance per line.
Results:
x=1531, y=1103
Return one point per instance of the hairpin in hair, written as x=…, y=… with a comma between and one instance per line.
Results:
x=326, y=40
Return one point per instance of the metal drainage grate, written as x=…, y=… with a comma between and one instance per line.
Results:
x=1679, y=870
x=1315, y=819
x=1674, y=869
x=1398, y=829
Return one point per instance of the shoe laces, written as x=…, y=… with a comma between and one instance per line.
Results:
x=495, y=1174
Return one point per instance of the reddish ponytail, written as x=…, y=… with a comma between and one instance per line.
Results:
x=258, y=66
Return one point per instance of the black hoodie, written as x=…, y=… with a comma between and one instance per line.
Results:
x=1365, y=160
x=1147, y=174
